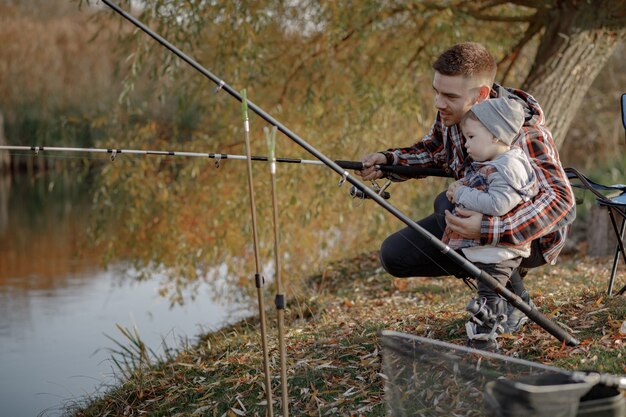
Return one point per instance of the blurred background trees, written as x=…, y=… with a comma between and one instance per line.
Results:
x=348, y=77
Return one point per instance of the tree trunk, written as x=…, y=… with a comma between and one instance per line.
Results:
x=579, y=38
x=601, y=239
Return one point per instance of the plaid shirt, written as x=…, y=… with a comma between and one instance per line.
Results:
x=546, y=217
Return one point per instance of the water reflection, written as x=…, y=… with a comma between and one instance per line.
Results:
x=5, y=189
x=56, y=304
x=43, y=238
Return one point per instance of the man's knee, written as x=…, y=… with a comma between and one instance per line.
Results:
x=390, y=260
x=535, y=259
x=441, y=204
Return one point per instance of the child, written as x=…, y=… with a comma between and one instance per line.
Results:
x=499, y=178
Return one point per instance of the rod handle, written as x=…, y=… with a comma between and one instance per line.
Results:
x=354, y=165
x=404, y=170
x=414, y=172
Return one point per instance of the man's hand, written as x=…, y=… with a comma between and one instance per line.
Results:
x=466, y=222
x=369, y=172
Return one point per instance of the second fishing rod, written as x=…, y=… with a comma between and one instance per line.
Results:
x=403, y=170
x=534, y=314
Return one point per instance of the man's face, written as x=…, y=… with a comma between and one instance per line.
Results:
x=454, y=95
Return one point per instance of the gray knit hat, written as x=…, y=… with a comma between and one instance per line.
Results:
x=501, y=116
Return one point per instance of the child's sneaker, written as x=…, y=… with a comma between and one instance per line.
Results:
x=481, y=340
x=516, y=318
x=485, y=324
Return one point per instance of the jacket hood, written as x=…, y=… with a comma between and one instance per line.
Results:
x=533, y=114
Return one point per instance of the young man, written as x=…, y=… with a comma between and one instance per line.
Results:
x=464, y=75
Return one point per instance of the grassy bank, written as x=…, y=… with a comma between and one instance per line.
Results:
x=334, y=355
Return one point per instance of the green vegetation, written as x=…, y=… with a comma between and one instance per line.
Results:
x=348, y=78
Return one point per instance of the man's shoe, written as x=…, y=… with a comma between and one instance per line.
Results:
x=516, y=319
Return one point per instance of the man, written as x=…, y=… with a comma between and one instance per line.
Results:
x=464, y=75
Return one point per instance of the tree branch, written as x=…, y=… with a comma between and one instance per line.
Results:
x=492, y=18
x=489, y=4
x=336, y=47
x=533, y=4
x=513, y=55
x=480, y=11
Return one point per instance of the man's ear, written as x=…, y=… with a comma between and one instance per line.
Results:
x=483, y=93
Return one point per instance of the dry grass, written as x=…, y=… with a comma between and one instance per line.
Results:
x=334, y=355
x=51, y=62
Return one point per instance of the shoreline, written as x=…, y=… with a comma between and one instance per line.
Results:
x=334, y=355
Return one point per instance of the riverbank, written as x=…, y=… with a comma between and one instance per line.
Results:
x=334, y=362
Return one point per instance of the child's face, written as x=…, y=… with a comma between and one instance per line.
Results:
x=480, y=143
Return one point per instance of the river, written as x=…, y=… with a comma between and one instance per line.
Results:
x=58, y=306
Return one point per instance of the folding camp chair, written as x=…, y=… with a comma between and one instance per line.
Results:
x=616, y=207
x=615, y=204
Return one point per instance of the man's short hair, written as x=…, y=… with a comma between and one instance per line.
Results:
x=469, y=59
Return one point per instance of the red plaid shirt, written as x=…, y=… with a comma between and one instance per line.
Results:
x=547, y=217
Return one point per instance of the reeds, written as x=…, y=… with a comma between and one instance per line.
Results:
x=54, y=75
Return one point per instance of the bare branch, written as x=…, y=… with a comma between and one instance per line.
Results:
x=513, y=55
x=491, y=4
x=336, y=47
x=483, y=5
x=492, y=18
x=533, y=4
x=480, y=11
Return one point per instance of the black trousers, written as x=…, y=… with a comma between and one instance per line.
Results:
x=406, y=253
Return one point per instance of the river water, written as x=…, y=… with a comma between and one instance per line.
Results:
x=57, y=305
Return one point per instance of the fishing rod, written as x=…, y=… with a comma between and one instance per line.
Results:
x=270, y=137
x=532, y=312
x=258, y=279
x=404, y=170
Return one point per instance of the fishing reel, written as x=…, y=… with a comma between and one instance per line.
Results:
x=356, y=193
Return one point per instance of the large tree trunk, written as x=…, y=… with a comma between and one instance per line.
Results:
x=579, y=38
x=601, y=238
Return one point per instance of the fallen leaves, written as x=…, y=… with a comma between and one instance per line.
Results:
x=334, y=356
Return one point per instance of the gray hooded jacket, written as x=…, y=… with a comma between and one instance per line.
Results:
x=497, y=186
